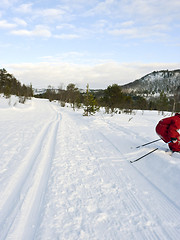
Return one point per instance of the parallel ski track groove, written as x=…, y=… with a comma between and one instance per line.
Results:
x=173, y=206
x=117, y=127
x=135, y=205
x=113, y=126
x=19, y=184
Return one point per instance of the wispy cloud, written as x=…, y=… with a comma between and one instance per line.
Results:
x=127, y=23
x=156, y=30
x=67, y=36
x=65, y=26
x=6, y=24
x=104, y=7
x=20, y=21
x=136, y=16
x=39, y=30
x=132, y=32
x=24, y=8
x=7, y=3
x=51, y=12
x=133, y=18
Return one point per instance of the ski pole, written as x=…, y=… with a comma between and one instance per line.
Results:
x=148, y=143
x=144, y=155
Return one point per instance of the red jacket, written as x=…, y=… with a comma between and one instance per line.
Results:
x=169, y=128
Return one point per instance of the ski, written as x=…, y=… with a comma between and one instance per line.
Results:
x=144, y=155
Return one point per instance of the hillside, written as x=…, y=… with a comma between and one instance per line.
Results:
x=65, y=176
x=156, y=82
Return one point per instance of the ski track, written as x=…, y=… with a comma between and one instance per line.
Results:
x=76, y=183
x=172, y=212
x=20, y=206
x=90, y=207
x=126, y=131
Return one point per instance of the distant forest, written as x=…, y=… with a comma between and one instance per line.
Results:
x=9, y=85
x=113, y=99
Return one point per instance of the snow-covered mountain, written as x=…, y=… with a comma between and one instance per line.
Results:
x=155, y=82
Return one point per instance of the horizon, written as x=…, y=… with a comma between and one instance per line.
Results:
x=56, y=88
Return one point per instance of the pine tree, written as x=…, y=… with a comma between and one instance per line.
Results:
x=113, y=97
x=90, y=103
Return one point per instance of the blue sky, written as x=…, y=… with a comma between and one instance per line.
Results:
x=100, y=42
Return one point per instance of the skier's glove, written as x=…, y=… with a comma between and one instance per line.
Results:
x=173, y=140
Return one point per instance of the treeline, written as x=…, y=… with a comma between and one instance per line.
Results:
x=113, y=99
x=69, y=95
x=9, y=85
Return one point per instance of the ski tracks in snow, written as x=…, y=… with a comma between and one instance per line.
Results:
x=145, y=222
x=76, y=183
x=95, y=193
x=20, y=203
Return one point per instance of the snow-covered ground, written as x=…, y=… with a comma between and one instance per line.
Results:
x=68, y=177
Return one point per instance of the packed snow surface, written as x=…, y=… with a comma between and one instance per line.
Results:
x=68, y=177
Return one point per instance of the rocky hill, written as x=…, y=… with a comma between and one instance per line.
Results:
x=155, y=83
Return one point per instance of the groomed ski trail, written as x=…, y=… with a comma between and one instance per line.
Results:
x=163, y=207
x=22, y=198
x=98, y=193
x=75, y=182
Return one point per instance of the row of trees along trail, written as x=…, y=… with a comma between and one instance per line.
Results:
x=113, y=99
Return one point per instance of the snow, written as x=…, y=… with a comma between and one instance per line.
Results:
x=65, y=176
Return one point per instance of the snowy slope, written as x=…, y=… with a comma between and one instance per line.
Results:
x=65, y=176
x=156, y=82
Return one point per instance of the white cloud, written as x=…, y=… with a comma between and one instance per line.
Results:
x=140, y=31
x=24, y=8
x=5, y=24
x=137, y=12
x=65, y=26
x=132, y=32
x=51, y=12
x=20, y=21
x=39, y=30
x=52, y=15
x=152, y=12
x=98, y=76
x=7, y=3
x=104, y=7
x=22, y=32
x=127, y=24
x=67, y=36
x=133, y=18
x=99, y=27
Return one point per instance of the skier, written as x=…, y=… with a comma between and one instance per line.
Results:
x=168, y=130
